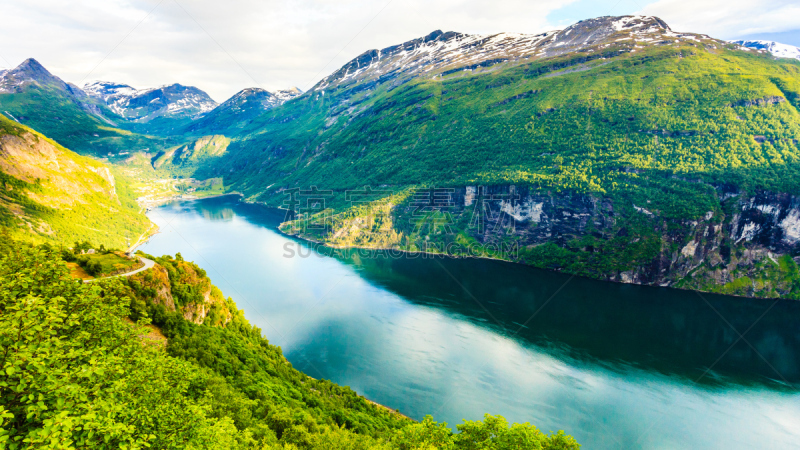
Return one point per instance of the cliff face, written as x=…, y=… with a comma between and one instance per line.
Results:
x=743, y=245
x=184, y=287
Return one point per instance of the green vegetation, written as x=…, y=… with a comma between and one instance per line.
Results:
x=76, y=373
x=668, y=128
x=641, y=122
x=769, y=277
x=204, y=188
x=103, y=262
x=74, y=126
x=50, y=194
x=187, y=158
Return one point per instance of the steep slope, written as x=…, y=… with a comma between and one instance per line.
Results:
x=144, y=105
x=238, y=111
x=50, y=194
x=31, y=72
x=212, y=383
x=775, y=48
x=638, y=138
x=33, y=96
x=185, y=159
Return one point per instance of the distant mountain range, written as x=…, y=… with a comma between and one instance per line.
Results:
x=241, y=109
x=120, y=104
x=146, y=104
x=775, y=48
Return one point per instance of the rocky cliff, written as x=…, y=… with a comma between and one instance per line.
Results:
x=746, y=244
x=182, y=286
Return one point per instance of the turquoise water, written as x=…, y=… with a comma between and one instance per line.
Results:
x=616, y=366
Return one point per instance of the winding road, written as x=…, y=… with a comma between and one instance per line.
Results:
x=148, y=263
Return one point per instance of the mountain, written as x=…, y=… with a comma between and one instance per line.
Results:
x=144, y=105
x=442, y=54
x=284, y=95
x=50, y=194
x=777, y=49
x=32, y=95
x=184, y=159
x=31, y=72
x=115, y=120
x=241, y=109
x=618, y=148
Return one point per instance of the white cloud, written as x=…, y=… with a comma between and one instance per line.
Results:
x=727, y=19
x=272, y=44
x=277, y=44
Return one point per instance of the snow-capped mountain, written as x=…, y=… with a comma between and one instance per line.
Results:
x=143, y=105
x=108, y=91
x=441, y=53
x=287, y=94
x=32, y=72
x=250, y=98
x=776, y=48
x=252, y=95
x=242, y=107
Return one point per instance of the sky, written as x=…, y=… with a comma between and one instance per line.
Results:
x=223, y=46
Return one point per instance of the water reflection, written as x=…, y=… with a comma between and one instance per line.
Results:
x=612, y=364
x=713, y=338
x=222, y=214
x=671, y=331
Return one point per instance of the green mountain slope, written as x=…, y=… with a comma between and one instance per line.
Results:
x=185, y=159
x=50, y=194
x=77, y=373
x=34, y=97
x=681, y=108
x=663, y=135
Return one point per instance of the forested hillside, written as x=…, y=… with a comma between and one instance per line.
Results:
x=78, y=372
x=616, y=148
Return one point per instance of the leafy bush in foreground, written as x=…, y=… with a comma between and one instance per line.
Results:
x=76, y=373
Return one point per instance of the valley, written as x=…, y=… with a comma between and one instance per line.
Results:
x=633, y=128
x=396, y=231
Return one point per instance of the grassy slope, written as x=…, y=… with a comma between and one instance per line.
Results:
x=660, y=126
x=55, y=114
x=658, y=110
x=185, y=159
x=65, y=197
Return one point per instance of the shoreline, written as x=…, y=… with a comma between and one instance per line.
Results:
x=144, y=237
x=149, y=233
x=324, y=244
x=445, y=255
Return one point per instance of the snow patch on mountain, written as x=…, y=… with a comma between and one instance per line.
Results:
x=775, y=48
x=258, y=99
x=444, y=53
x=287, y=94
x=30, y=72
x=143, y=105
